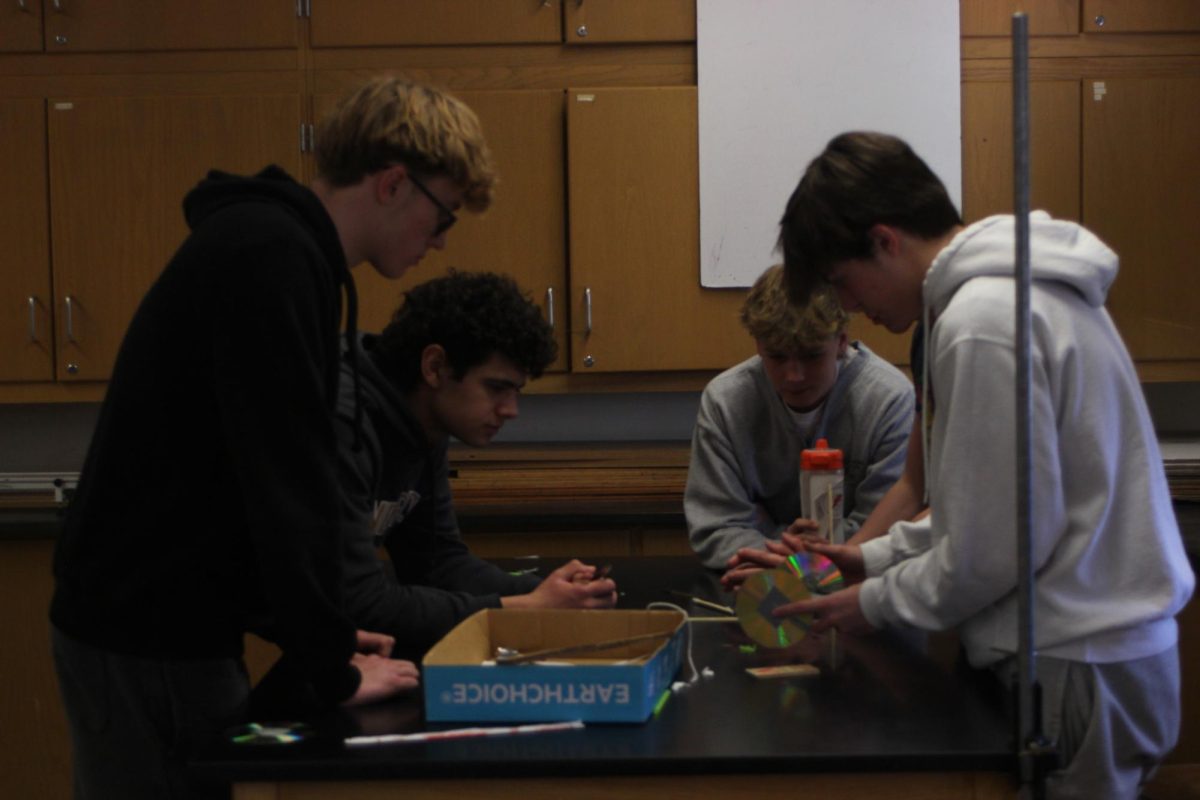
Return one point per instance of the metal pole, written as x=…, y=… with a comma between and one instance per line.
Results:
x=1033, y=751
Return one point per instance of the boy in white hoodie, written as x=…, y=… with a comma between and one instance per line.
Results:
x=870, y=218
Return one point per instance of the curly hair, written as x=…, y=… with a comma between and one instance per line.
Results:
x=473, y=316
x=389, y=120
x=771, y=318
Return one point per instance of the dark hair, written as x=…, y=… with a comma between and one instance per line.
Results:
x=472, y=315
x=860, y=180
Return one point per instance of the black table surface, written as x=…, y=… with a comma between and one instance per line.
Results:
x=881, y=705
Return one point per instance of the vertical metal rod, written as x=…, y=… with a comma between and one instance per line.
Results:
x=1030, y=741
x=550, y=306
x=587, y=311
x=32, y=319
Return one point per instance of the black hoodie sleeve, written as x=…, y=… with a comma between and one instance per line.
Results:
x=274, y=346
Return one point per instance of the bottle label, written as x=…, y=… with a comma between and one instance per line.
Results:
x=821, y=498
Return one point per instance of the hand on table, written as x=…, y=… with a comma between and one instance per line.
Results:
x=381, y=678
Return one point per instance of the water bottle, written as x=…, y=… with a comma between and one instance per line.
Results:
x=821, y=489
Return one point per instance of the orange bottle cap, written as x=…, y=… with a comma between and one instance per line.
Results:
x=821, y=457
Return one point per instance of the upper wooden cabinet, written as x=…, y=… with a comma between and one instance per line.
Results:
x=83, y=26
x=1141, y=195
x=994, y=17
x=988, y=148
x=119, y=168
x=26, y=330
x=382, y=23
x=1140, y=16
x=21, y=26
x=636, y=298
x=373, y=23
x=606, y=21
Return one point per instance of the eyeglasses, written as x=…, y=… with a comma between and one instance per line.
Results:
x=446, y=217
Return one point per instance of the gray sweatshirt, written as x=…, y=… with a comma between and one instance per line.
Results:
x=743, y=482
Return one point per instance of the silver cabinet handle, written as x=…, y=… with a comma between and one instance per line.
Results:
x=57, y=5
x=32, y=318
x=550, y=306
x=69, y=302
x=587, y=312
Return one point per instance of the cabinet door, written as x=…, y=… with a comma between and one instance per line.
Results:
x=994, y=17
x=119, y=168
x=1141, y=195
x=1140, y=16
x=21, y=26
x=604, y=21
x=522, y=234
x=634, y=222
x=134, y=25
x=988, y=148
x=364, y=23
x=26, y=334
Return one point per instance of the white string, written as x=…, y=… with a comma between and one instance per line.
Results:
x=695, y=673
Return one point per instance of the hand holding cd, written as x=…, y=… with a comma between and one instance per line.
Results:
x=802, y=576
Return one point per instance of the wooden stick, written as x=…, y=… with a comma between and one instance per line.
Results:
x=589, y=647
x=700, y=601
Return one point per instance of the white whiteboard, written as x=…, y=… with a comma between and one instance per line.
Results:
x=777, y=79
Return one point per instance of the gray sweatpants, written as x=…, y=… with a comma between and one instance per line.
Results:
x=1112, y=723
x=135, y=720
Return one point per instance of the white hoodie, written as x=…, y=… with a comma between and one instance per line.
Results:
x=1111, y=571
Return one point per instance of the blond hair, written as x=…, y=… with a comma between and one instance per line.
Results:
x=771, y=318
x=390, y=120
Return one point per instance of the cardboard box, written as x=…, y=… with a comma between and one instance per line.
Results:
x=618, y=685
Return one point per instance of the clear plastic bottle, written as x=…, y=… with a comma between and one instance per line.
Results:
x=821, y=489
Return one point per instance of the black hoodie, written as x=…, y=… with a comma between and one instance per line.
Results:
x=434, y=582
x=209, y=499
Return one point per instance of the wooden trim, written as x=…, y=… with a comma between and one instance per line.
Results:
x=65, y=392
x=1084, y=46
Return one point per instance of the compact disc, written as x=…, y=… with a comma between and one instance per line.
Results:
x=817, y=572
x=800, y=577
x=269, y=733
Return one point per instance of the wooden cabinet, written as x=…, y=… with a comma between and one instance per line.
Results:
x=637, y=303
x=994, y=17
x=363, y=23
x=26, y=331
x=595, y=212
x=1140, y=16
x=1141, y=195
x=383, y=23
x=603, y=21
x=1112, y=146
x=35, y=751
x=119, y=168
x=94, y=209
x=79, y=26
x=21, y=26
x=988, y=148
